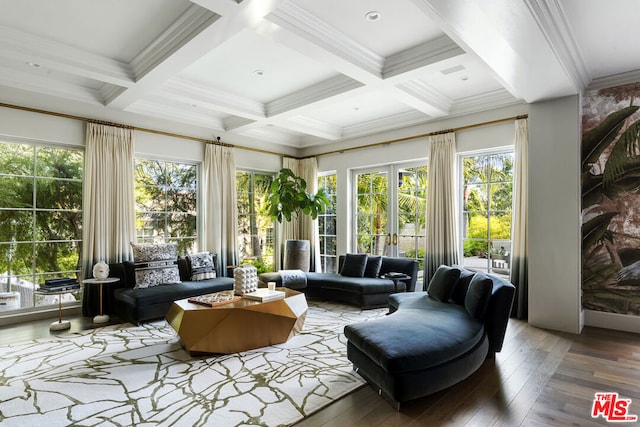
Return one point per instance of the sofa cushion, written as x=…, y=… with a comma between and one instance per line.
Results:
x=155, y=264
x=168, y=293
x=478, y=294
x=460, y=291
x=443, y=333
x=360, y=285
x=354, y=265
x=202, y=265
x=443, y=283
x=372, y=268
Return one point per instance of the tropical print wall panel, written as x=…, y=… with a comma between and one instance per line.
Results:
x=611, y=199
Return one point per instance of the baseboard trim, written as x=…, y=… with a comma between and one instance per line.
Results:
x=616, y=321
x=39, y=313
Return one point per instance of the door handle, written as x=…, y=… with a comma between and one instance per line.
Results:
x=388, y=239
x=395, y=239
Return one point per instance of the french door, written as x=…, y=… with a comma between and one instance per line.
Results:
x=389, y=210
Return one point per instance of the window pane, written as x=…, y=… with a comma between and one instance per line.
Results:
x=59, y=225
x=501, y=196
x=475, y=197
x=501, y=167
x=16, y=225
x=501, y=226
x=182, y=200
x=477, y=225
x=16, y=192
x=57, y=256
x=59, y=163
x=58, y=194
x=16, y=159
x=182, y=225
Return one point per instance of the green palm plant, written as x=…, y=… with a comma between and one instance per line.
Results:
x=288, y=197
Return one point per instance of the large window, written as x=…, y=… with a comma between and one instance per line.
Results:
x=487, y=183
x=40, y=219
x=327, y=225
x=167, y=203
x=255, y=226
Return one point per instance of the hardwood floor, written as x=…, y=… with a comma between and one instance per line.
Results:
x=541, y=378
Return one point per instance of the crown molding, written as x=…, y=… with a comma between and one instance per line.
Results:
x=20, y=46
x=312, y=127
x=49, y=86
x=188, y=25
x=157, y=109
x=306, y=25
x=195, y=93
x=383, y=124
x=552, y=21
x=274, y=136
x=420, y=56
x=615, y=80
x=425, y=98
x=485, y=101
x=312, y=94
x=237, y=124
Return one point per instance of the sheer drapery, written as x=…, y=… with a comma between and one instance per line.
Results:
x=302, y=227
x=441, y=242
x=520, y=220
x=109, y=200
x=220, y=206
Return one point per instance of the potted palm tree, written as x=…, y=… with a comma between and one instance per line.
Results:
x=287, y=199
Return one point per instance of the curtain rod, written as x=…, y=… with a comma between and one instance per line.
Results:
x=423, y=135
x=258, y=150
x=154, y=131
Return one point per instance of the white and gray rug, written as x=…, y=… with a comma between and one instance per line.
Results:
x=141, y=376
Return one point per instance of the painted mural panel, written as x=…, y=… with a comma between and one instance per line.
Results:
x=611, y=200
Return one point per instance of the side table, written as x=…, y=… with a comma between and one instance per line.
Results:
x=396, y=278
x=101, y=318
x=58, y=325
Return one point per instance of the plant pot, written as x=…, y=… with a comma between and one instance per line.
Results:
x=297, y=255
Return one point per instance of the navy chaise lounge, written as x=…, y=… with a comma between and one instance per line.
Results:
x=432, y=340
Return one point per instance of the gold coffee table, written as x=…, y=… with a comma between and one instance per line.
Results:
x=238, y=326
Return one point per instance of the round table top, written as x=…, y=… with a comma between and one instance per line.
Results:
x=105, y=280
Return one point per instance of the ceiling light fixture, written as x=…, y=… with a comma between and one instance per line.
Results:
x=372, y=16
x=32, y=64
x=258, y=72
x=464, y=78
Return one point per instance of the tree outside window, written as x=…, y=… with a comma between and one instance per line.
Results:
x=255, y=226
x=327, y=225
x=167, y=203
x=486, y=211
x=40, y=219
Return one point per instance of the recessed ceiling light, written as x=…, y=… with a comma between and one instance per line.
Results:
x=258, y=72
x=356, y=108
x=372, y=16
x=464, y=78
x=32, y=64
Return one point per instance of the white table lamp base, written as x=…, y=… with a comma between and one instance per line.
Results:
x=101, y=318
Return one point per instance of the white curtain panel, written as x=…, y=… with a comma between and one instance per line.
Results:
x=109, y=201
x=519, y=236
x=442, y=241
x=220, y=205
x=303, y=227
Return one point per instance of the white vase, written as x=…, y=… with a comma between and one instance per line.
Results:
x=101, y=270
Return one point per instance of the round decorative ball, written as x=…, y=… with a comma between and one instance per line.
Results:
x=101, y=270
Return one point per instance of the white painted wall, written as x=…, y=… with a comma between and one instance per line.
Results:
x=554, y=215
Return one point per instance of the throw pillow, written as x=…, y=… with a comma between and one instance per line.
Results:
x=354, y=265
x=443, y=283
x=477, y=299
x=202, y=265
x=460, y=291
x=155, y=264
x=372, y=268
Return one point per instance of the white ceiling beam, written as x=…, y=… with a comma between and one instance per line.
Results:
x=24, y=47
x=157, y=108
x=310, y=126
x=509, y=40
x=194, y=34
x=221, y=7
x=424, y=98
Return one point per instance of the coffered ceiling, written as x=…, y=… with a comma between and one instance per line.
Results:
x=302, y=73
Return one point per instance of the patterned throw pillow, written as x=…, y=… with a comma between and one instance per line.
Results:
x=155, y=264
x=202, y=266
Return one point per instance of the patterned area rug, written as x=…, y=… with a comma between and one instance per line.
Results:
x=140, y=375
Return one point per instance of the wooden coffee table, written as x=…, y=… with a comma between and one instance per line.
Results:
x=238, y=326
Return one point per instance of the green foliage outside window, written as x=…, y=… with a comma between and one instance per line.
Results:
x=40, y=212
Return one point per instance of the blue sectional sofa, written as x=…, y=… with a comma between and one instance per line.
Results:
x=362, y=280
x=140, y=305
x=432, y=340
